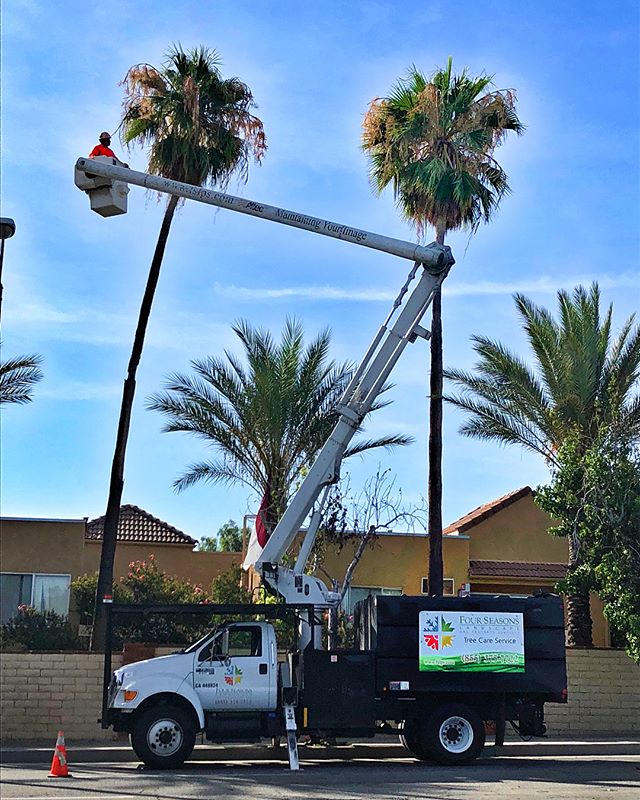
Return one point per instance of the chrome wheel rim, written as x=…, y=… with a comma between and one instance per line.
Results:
x=165, y=737
x=456, y=734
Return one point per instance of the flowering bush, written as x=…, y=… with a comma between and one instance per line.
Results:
x=146, y=582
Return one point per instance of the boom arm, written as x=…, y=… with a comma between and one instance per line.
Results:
x=108, y=182
x=365, y=386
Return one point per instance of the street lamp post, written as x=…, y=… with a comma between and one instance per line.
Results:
x=7, y=229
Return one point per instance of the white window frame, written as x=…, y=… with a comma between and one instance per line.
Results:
x=35, y=575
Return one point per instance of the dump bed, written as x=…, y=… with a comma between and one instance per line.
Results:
x=465, y=644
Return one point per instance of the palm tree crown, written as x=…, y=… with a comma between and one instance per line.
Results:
x=268, y=419
x=583, y=380
x=198, y=126
x=433, y=141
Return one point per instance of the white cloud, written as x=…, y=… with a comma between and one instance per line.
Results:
x=542, y=285
x=80, y=390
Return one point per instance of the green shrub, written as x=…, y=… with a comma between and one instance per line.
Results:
x=226, y=588
x=36, y=630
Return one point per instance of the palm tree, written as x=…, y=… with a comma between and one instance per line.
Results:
x=583, y=384
x=433, y=141
x=266, y=420
x=17, y=377
x=199, y=130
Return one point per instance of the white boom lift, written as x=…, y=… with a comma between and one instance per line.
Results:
x=402, y=326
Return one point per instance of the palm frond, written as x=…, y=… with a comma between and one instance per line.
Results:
x=267, y=415
x=17, y=378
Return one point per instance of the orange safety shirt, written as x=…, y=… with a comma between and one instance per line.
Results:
x=101, y=150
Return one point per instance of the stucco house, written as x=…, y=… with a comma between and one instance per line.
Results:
x=502, y=547
x=40, y=557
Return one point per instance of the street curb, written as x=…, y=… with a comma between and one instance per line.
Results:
x=107, y=753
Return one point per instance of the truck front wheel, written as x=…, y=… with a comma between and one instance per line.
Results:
x=163, y=736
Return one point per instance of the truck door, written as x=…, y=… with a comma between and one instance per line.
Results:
x=241, y=677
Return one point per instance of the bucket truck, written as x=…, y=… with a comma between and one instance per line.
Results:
x=432, y=669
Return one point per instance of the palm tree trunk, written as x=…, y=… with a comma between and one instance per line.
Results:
x=436, y=576
x=112, y=515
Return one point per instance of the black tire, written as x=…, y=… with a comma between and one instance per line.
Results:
x=163, y=736
x=411, y=738
x=452, y=734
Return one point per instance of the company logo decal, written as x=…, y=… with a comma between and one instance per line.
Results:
x=233, y=676
x=438, y=632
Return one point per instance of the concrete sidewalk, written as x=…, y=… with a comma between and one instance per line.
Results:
x=120, y=752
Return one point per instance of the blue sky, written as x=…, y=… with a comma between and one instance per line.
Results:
x=73, y=280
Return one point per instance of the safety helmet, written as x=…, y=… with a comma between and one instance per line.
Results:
x=105, y=135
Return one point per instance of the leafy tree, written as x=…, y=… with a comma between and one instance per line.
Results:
x=208, y=544
x=198, y=128
x=267, y=420
x=596, y=496
x=17, y=377
x=227, y=587
x=230, y=537
x=227, y=540
x=433, y=141
x=582, y=384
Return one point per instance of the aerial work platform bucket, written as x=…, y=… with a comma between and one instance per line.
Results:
x=108, y=197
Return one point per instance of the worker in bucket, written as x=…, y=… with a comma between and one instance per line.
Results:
x=104, y=149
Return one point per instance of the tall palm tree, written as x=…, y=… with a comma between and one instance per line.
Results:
x=583, y=383
x=433, y=141
x=199, y=129
x=267, y=420
x=17, y=376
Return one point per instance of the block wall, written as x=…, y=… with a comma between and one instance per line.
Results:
x=604, y=696
x=41, y=693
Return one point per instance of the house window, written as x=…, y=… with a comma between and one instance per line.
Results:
x=43, y=592
x=448, y=586
x=357, y=593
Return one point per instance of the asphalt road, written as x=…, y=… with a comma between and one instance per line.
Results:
x=516, y=778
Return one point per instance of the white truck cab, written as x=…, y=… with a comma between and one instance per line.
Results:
x=225, y=683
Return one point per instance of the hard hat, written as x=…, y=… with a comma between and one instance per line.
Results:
x=105, y=135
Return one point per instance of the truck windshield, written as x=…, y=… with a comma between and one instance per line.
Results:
x=197, y=645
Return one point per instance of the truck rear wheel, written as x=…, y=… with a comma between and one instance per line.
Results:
x=163, y=736
x=411, y=738
x=452, y=734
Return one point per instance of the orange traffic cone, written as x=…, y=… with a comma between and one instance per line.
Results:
x=59, y=764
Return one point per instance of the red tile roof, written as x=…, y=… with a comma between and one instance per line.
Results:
x=516, y=569
x=483, y=512
x=136, y=525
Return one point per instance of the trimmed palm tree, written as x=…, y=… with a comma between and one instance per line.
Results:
x=582, y=383
x=433, y=141
x=17, y=377
x=267, y=420
x=199, y=129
